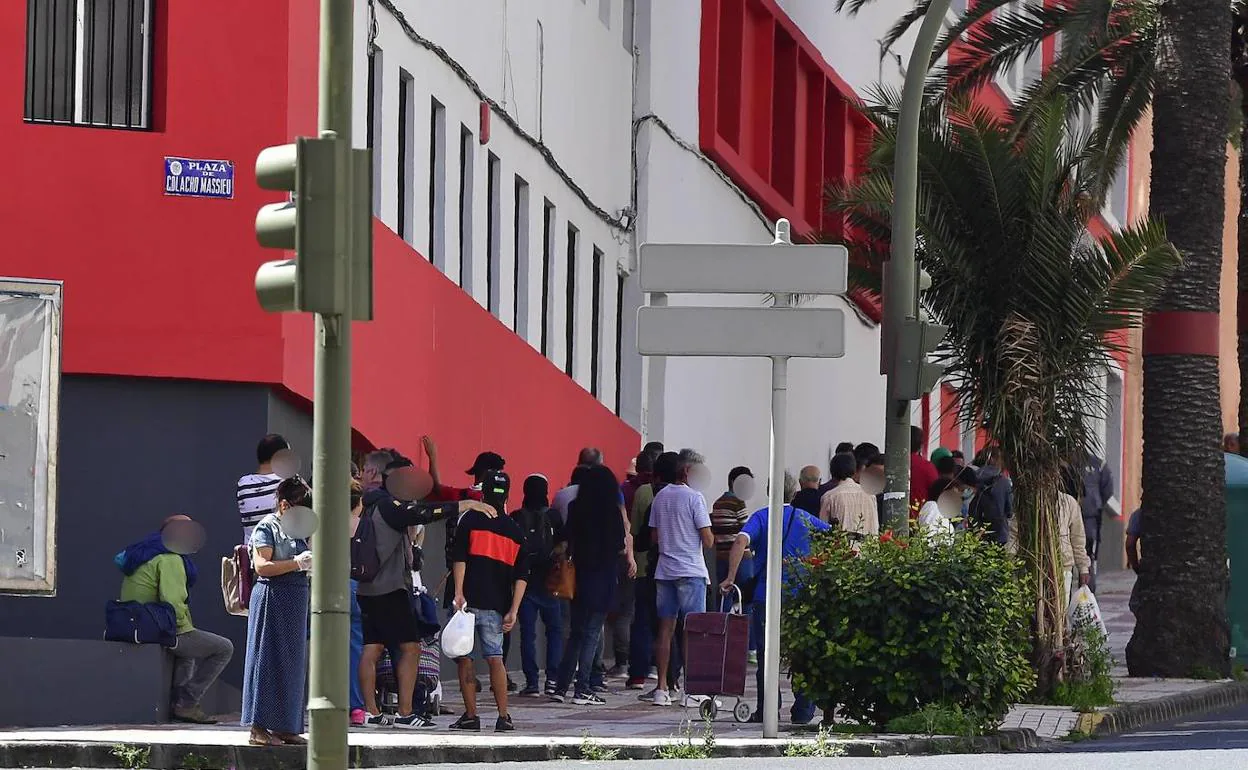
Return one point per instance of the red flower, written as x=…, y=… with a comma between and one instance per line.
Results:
x=887, y=536
x=814, y=561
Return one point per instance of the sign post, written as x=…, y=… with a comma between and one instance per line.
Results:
x=777, y=333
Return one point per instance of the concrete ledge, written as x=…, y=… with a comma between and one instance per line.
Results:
x=1131, y=716
x=171, y=756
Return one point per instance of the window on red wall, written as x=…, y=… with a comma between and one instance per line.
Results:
x=775, y=116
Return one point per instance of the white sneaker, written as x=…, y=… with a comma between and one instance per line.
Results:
x=662, y=698
x=648, y=697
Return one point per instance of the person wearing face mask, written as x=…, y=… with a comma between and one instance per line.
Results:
x=275, y=674
x=728, y=516
x=158, y=569
x=256, y=492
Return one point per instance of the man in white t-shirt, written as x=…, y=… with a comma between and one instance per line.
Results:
x=257, y=492
x=682, y=530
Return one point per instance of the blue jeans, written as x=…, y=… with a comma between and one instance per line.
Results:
x=534, y=605
x=357, y=650
x=803, y=708
x=645, y=621
x=578, y=657
x=680, y=597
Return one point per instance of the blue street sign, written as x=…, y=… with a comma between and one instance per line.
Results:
x=194, y=178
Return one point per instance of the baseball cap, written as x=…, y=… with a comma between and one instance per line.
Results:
x=487, y=461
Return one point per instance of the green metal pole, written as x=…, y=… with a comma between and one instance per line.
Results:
x=331, y=438
x=901, y=297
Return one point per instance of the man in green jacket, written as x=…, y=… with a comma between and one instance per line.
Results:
x=154, y=573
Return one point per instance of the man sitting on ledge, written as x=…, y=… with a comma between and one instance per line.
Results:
x=154, y=573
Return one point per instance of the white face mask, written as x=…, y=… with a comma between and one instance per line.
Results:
x=743, y=487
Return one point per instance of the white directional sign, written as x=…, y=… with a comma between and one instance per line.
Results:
x=741, y=331
x=708, y=268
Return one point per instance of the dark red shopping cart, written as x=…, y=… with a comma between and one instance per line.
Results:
x=716, y=650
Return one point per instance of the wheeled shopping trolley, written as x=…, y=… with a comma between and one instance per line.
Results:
x=716, y=652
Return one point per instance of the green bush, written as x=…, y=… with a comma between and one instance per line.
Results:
x=1088, y=683
x=906, y=624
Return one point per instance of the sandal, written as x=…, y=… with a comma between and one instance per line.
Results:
x=263, y=738
x=290, y=739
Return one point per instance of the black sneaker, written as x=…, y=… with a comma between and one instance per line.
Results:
x=466, y=722
x=550, y=688
x=511, y=686
x=414, y=722
x=530, y=691
x=504, y=725
x=558, y=697
x=588, y=699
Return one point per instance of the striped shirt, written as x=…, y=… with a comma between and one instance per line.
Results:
x=257, y=498
x=677, y=515
x=728, y=516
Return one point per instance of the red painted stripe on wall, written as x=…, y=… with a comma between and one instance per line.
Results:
x=1175, y=333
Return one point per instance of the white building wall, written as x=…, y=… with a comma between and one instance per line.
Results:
x=721, y=406
x=561, y=71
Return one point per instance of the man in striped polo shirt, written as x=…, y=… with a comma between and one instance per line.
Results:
x=257, y=492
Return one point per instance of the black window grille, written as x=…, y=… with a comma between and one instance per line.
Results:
x=89, y=62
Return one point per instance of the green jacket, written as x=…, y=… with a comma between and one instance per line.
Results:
x=163, y=579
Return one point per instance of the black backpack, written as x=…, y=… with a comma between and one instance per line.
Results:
x=365, y=561
x=985, y=511
x=539, y=534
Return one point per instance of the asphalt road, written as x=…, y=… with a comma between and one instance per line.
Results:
x=1227, y=729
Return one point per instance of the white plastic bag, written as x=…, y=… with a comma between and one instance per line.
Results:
x=1084, y=611
x=459, y=636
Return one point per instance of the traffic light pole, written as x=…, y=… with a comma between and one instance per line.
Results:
x=901, y=297
x=331, y=435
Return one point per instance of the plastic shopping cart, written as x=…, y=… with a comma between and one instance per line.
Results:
x=716, y=650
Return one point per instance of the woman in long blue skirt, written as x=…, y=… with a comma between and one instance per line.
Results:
x=276, y=671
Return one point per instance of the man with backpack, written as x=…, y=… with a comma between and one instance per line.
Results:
x=991, y=507
x=540, y=524
x=381, y=555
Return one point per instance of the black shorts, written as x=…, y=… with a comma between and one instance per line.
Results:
x=388, y=619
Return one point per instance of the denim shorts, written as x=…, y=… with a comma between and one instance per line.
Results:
x=680, y=597
x=489, y=628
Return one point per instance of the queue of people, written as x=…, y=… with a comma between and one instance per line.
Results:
x=602, y=554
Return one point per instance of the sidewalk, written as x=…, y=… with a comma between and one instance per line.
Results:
x=546, y=729
x=1113, y=595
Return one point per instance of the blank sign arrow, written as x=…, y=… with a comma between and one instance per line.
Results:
x=712, y=268
x=741, y=331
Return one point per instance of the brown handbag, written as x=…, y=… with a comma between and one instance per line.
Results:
x=561, y=580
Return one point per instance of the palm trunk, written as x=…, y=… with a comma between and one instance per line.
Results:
x=1180, y=595
x=1242, y=269
x=1026, y=435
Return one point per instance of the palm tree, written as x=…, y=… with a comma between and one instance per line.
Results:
x=1126, y=54
x=1031, y=300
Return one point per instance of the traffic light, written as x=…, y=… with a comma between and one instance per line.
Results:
x=327, y=223
x=915, y=375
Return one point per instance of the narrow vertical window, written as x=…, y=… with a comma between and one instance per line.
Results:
x=437, y=184
x=493, y=248
x=521, y=269
x=574, y=237
x=465, y=209
x=548, y=254
x=619, y=336
x=595, y=322
x=373, y=129
x=404, y=220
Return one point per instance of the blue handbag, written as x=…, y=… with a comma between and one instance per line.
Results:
x=141, y=623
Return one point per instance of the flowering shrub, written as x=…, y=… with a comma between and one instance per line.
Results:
x=907, y=623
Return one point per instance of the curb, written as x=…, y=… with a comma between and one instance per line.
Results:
x=1132, y=716
x=20, y=754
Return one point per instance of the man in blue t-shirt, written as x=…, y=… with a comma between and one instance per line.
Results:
x=797, y=526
